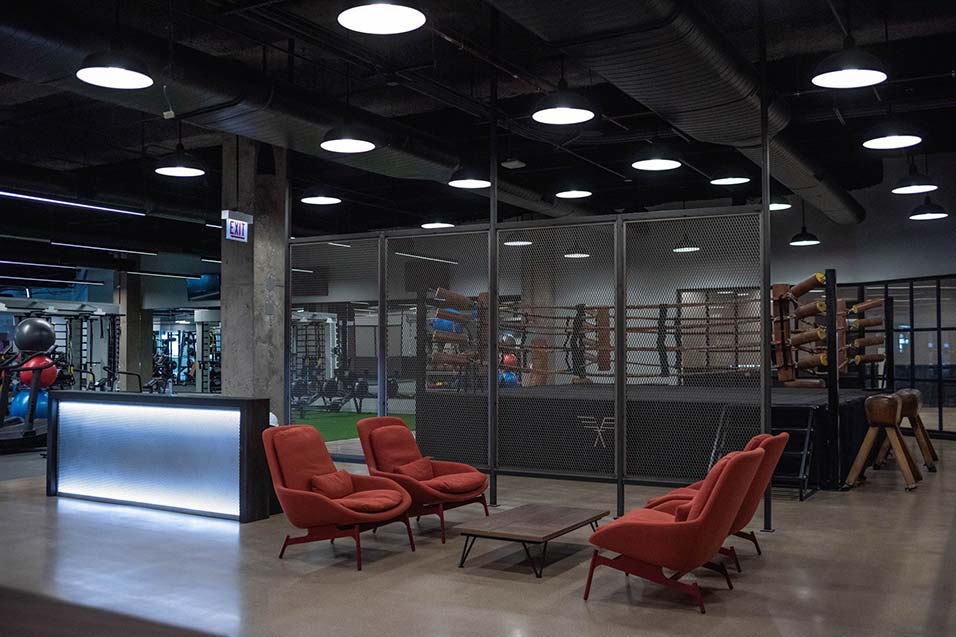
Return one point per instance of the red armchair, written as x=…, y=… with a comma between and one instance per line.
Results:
x=434, y=485
x=649, y=541
x=773, y=447
x=325, y=502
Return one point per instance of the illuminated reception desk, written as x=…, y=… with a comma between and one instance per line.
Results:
x=196, y=453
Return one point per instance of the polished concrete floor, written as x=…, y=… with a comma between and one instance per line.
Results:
x=873, y=561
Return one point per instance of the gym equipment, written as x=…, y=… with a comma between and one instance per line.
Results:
x=912, y=400
x=884, y=413
x=508, y=379
x=509, y=360
x=337, y=392
x=47, y=376
x=20, y=405
x=34, y=335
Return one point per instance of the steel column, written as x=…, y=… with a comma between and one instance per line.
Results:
x=620, y=360
x=833, y=371
x=382, y=327
x=493, y=272
x=766, y=328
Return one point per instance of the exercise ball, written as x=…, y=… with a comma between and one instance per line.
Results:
x=444, y=325
x=509, y=360
x=507, y=379
x=21, y=403
x=507, y=339
x=47, y=376
x=34, y=335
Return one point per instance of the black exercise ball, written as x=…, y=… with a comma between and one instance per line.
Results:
x=34, y=335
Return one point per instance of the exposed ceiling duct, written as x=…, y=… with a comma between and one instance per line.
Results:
x=227, y=96
x=665, y=55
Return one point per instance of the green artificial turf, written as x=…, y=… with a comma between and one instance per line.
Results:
x=339, y=425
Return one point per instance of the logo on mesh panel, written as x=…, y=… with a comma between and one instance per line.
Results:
x=590, y=423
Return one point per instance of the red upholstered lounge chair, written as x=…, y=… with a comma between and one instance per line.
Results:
x=326, y=502
x=774, y=447
x=650, y=541
x=435, y=485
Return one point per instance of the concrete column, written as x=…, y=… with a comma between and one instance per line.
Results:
x=136, y=331
x=254, y=274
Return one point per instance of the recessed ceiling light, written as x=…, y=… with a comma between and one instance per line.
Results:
x=104, y=249
x=576, y=252
x=164, y=275
x=686, y=245
x=573, y=194
x=41, y=280
x=656, y=164
x=381, y=18
x=518, y=240
x=425, y=258
x=114, y=69
x=69, y=204
x=435, y=225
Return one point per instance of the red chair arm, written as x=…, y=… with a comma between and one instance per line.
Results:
x=419, y=492
x=307, y=509
x=445, y=467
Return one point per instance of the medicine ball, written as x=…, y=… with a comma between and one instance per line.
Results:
x=47, y=376
x=509, y=360
x=34, y=335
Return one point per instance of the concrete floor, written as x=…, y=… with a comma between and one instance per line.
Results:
x=873, y=561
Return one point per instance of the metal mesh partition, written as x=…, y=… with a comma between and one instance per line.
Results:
x=437, y=290
x=693, y=343
x=333, y=360
x=556, y=350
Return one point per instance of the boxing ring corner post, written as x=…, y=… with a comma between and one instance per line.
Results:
x=766, y=328
x=833, y=369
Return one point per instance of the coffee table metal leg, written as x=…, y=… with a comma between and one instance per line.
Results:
x=594, y=526
x=538, y=571
x=466, y=549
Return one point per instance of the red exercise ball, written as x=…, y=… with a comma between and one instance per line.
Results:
x=509, y=360
x=47, y=376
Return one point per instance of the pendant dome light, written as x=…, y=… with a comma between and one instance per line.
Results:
x=319, y=197
x=851, y=67
x=573, y=193
x=377, y=17
x=655, y=158
x=437, y=225
x=728, y=178
x=114, y=68
x=180, y=163
x=804, y=238
x=576, y=252
x=468, y=179
x=779, y=203
x=913, y=183
x=563, y=107
x=347, y=139
x=891, y=135
x=928, y=211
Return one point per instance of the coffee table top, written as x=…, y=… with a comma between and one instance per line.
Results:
x=532, y=523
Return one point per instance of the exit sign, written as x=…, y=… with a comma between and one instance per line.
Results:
x=237, y=225
x=237, y=230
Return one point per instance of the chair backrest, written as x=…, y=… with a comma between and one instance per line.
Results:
x=387, y=443
x=723, y=497
x=757, y=440
x=773, y=447
x=296, y=453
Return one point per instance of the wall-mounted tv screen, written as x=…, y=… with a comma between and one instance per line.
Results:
x=205, y=288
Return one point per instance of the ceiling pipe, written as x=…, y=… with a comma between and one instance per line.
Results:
x=665, y=55
x=227, y=96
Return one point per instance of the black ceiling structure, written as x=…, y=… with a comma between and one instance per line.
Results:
x=664, y=74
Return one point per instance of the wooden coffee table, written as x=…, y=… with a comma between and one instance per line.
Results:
x=529, y=524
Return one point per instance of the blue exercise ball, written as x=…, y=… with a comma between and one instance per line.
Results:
x=21, y=403
x=508, y=379
x=446, y=325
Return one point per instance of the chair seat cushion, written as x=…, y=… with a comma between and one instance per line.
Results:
x=420, y=469
x=333, y=485
x=372, y=501
x=457, y=482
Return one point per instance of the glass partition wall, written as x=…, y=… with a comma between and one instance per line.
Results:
x=923, y=342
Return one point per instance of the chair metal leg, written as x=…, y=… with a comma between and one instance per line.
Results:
x=408, y=528
x=484, y=503
x=594, y=564
x=358, y=548
x=750, y=535
x=284, y=545
x=717, y=567
x=441, y=519
x=647, y=571
x=731, y=552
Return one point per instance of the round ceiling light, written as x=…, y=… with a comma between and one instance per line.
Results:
x=928, y=211
x=375, y=17
x=892, y=142
x=467, y=179
x=656, y=164
x=804, y=238
x=563, y=107
x=730, y=181
x=576, y=252
x=347, y=140
x=573, y=194
x=315, y=199
x=114, y=69
x=913, y=183
x=779, y=204
x=518, y=242
x=849, y=68
x=437, y=225
x=180, y=164
x=686, y=245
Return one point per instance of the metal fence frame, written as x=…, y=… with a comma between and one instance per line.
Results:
x=620, y=301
